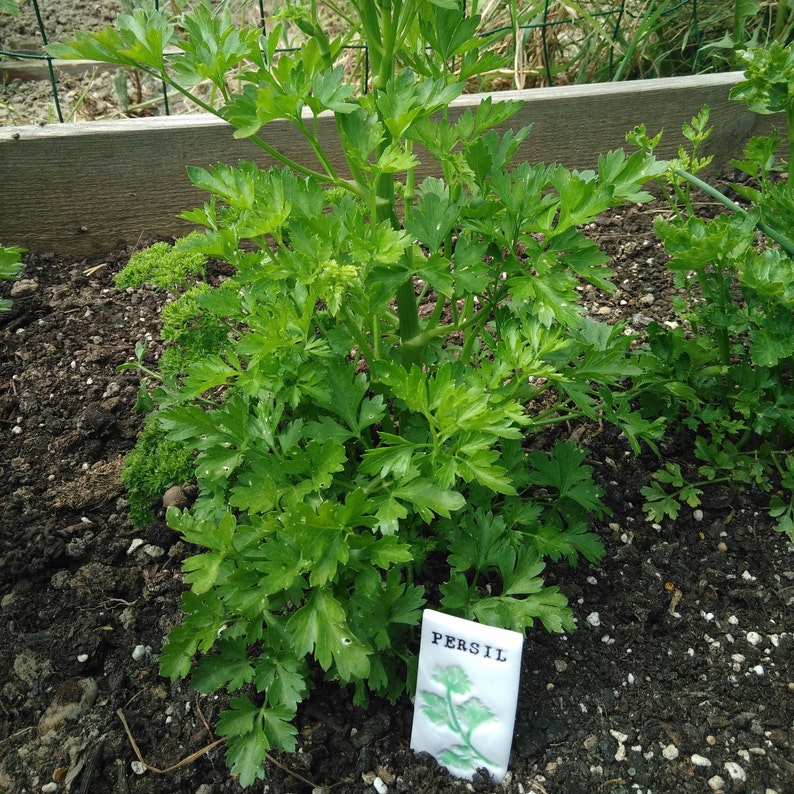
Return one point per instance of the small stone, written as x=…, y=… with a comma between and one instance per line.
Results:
x=175, y=496
x=560, y=665
x=25, y=286
x=716, y=783
x=619, y=736
x=697, y=515
x=754, y=638
x=647, y=299
x=594, y=619
x=95, y=421
x=82, y=658
x=604, y=310
x=735, y=771
x=134, y=544
x=73, y=698
x=141, y=652
x=155, y=552
x=50, y=787
x=699, y=760
x=670, y=752
x=620, y=753
x=138, y=767
x=379, y=786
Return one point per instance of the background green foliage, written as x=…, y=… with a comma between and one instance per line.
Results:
x=10, y=268
x=725, y=373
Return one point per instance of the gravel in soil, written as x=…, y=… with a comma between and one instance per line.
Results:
x=678, y=679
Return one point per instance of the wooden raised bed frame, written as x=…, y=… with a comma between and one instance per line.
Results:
x=79, y=190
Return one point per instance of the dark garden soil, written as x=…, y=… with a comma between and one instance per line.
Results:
x=679, y=678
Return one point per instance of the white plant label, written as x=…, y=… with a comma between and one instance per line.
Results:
x=466, y=694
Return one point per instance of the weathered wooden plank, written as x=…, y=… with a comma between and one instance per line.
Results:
x=39, y=69
x=80, y=189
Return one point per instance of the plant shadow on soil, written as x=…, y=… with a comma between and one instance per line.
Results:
x=678, y=679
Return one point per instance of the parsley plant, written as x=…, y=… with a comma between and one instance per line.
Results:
x=361, y=428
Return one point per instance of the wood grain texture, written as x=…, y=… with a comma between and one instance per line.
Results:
x=81, y=189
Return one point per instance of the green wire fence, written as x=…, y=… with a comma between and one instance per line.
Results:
x=584, y=41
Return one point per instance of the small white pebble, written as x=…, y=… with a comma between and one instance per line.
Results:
x=630, y=678
x=753, y=637
x=748, y=577
x=670, y=752
x=716, y=783
x=594, y=619
x=379, y=786
x=758, y=669
x=699, y=760
x=733, y=620
x=134, y=544
x=620, y=753
x=619, y=736
x=82, y=658
x=735, y=771
x=16, y=430
x=138, y=767
x=47, y=788
x=697, y=515
x=140, y=651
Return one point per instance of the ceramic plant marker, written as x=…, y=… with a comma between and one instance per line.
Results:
x=466, y=694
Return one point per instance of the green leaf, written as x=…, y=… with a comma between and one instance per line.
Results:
x=658, y=503
x=425, y=497
x=434, y=215
x=250, y=732
x=284, y=679
x=9, y=7
x=204, y=618
x=563, y=472
x=202, y=570
x=548, y=605
x=230, y=668
x=320, y=626
x=331, y=92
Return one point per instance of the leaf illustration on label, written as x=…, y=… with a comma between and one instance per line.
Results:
x=461, y=718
